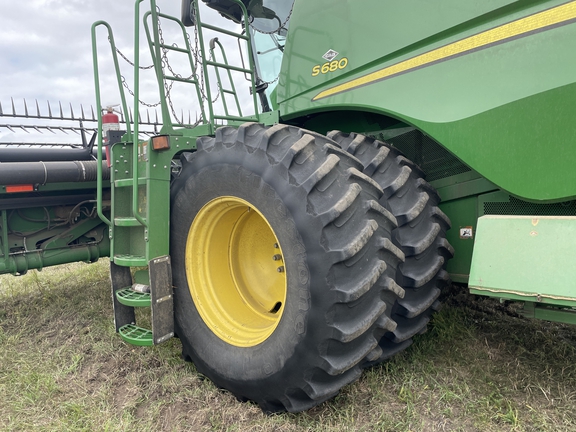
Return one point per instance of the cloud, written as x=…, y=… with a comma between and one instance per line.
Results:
x=46, y=55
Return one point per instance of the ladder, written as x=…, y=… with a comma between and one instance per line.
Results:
x=140, y=170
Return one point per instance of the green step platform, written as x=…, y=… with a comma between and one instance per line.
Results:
x=129, y=297
x=135, y=335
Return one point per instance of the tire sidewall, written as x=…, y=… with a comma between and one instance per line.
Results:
x=212, y=355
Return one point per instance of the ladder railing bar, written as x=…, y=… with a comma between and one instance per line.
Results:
x=250, y=57
x=205, y=64
x=193, y=67
x=227, y=32
x=99, y=108
x=227, y=66
x=155, y=52
x=246, y=77
x=228, y=70
x=185, y=80
x=213, y=43
x=173, y=48
x=190, y=60
x=117, y=70
x=153, y=46
x=135, y=140
x=200, y=33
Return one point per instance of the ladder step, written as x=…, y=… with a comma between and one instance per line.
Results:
x=229, y=67
x=173, y=48
x=184, y=80
x=127, y=221
x=127, y=260
x=129, y=297
x=135, y=335
x=128, y=182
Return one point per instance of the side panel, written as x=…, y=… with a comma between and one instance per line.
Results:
x=468, y=201
x=526, y=258
x=493, y=81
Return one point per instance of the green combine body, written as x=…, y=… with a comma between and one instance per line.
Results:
x=392, y=147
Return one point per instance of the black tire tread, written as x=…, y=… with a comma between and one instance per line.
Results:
x=420, y=234
x=359, y=254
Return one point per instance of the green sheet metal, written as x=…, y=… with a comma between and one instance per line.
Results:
x=493, y=81
x=525, y=258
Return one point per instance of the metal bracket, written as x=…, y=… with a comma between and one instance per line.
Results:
x=120, y=278
x=160, y=271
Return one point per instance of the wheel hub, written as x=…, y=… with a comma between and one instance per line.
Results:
x=235, y=271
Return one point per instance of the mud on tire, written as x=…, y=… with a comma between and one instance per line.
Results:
x=337, y=255
x=421, y=234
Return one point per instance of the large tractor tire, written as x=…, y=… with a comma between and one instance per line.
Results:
x=420, y=234
x=283, y=265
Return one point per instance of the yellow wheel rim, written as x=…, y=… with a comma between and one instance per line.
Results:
x=235, y=271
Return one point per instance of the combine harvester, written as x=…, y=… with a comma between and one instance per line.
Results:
x=294, y=246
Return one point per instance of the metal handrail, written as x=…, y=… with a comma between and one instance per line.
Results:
x=213, y=43
x=135, y=141
x=155, y=46
x=207, y=63
x=99, y=107
x=155, y=49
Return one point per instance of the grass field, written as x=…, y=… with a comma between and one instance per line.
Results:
x=480, y=367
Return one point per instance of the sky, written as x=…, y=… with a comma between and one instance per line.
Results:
x=46, y=56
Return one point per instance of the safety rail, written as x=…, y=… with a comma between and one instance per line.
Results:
x=246, y=37
x=135, y=143
x=213, y=43
x=99, y=108
x=155, y=46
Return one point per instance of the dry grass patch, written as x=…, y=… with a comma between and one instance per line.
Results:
x=479, y=368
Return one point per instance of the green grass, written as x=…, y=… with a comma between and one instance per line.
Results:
x=480, y=367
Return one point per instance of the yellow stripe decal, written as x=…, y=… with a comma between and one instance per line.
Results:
x=548, y=18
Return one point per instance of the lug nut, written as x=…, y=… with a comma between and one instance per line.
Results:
x=280, y=269
x=277, y=257
x=276, y=245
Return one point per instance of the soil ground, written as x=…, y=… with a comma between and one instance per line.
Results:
x=480, y=367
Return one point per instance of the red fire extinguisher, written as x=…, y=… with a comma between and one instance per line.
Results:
x=110, y=121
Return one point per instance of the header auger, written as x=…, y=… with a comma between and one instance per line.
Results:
x=293, y=236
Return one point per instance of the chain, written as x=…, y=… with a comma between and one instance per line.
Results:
x=130, y=63
x=197, y=59
x=168, y=86
x=219, y=85
x=197, y=56
x=132, y=94
x=270, y=82
x=125, y=84
x=282, y=26
x=272, y=32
